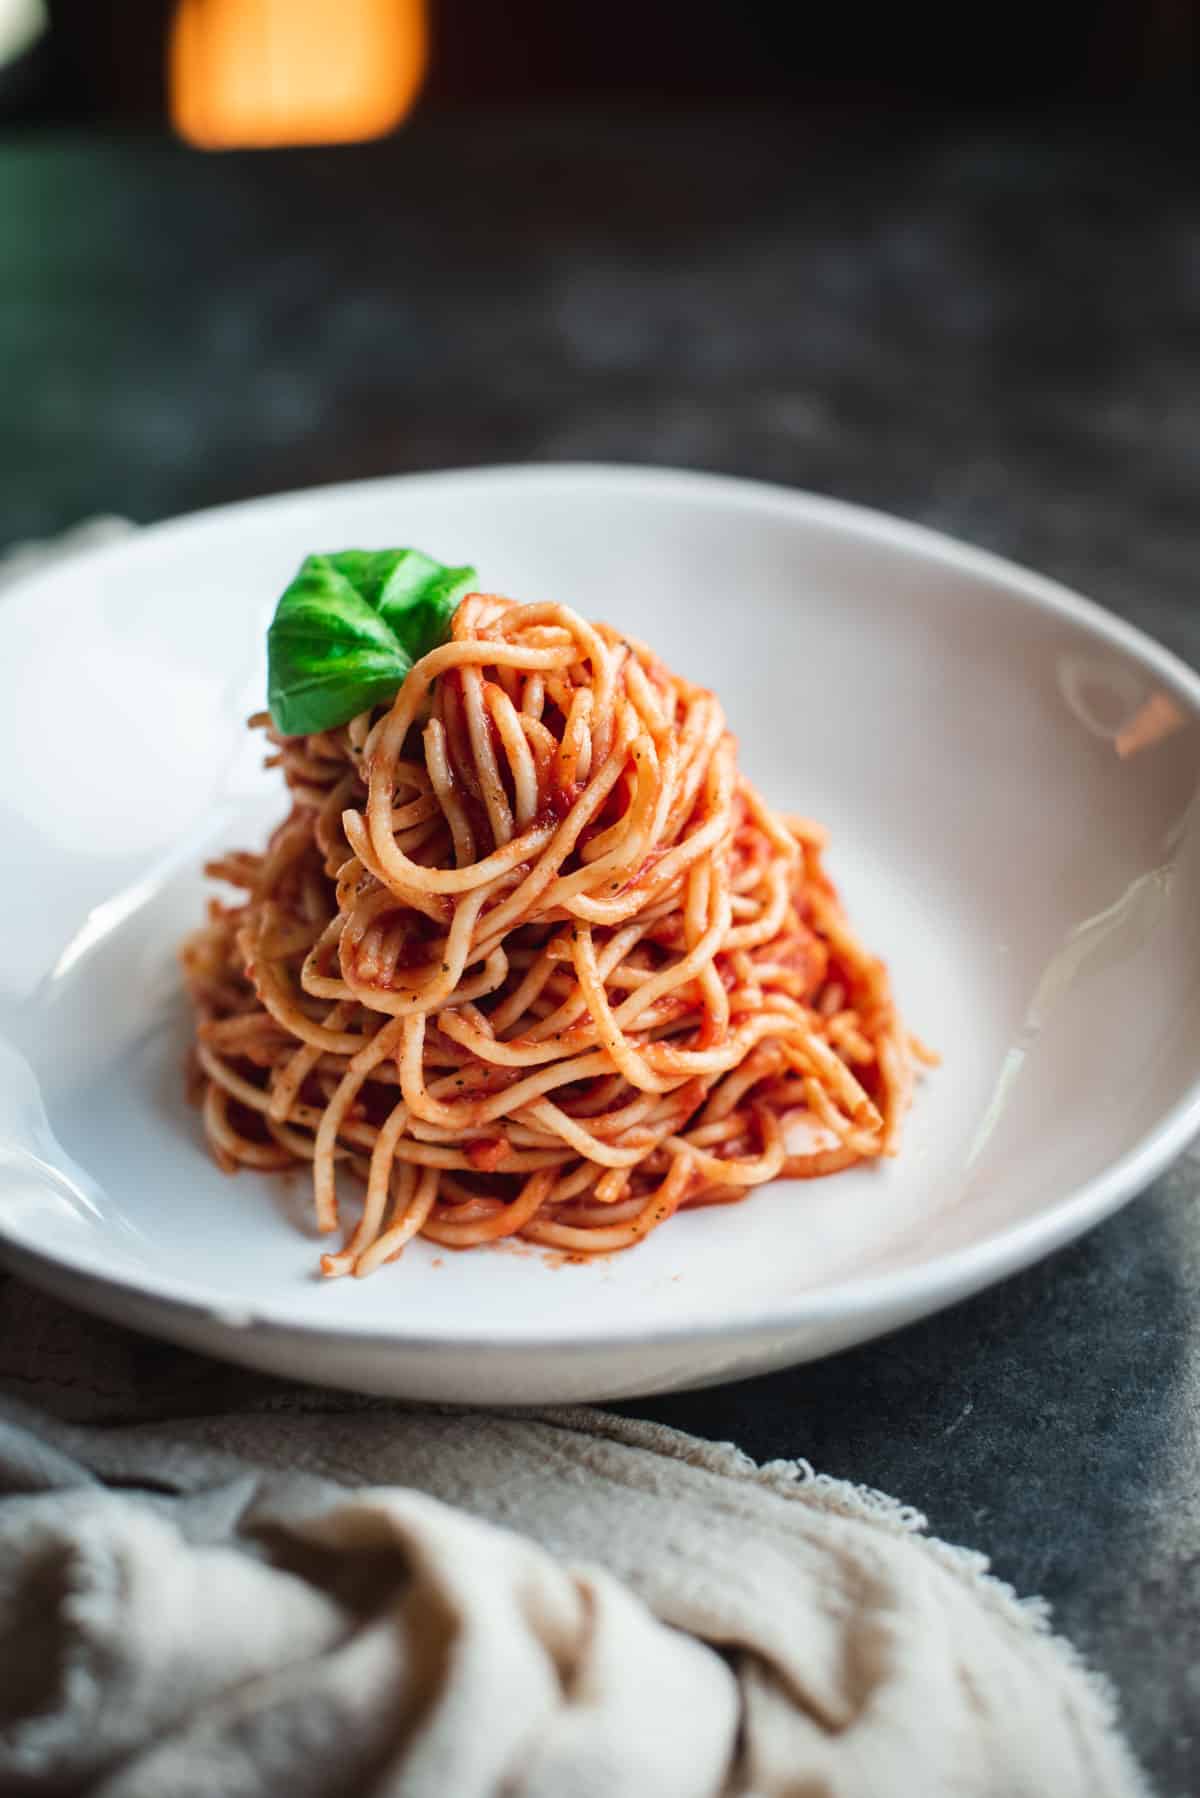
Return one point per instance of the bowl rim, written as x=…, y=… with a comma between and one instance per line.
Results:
x=904, y=1292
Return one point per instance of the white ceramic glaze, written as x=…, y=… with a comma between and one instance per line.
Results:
x=955, y=721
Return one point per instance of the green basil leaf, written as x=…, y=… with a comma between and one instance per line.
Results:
x=348, y=629
x=417, y=596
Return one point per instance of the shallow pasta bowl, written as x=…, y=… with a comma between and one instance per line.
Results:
x=1009, y=779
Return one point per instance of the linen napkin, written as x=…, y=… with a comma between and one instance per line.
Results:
x=385, y=1600
x=301, y=1592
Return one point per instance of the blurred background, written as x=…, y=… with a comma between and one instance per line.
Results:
x=945, y=262
x=107, y=60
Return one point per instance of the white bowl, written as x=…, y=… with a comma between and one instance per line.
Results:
x=964, y=728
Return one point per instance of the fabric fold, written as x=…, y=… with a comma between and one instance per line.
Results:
x=490, y=1606
x=112, y=1629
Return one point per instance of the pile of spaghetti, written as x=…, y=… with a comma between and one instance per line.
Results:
x=531, y=958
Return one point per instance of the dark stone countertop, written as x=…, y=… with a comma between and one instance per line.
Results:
x=995, y=330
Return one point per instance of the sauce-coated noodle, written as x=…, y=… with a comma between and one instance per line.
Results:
x=530, y=957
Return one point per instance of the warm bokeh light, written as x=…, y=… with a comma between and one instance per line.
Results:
x=255, y=74
x=22, y=22
x=1160, y=717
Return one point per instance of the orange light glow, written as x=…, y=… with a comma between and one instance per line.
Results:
x=1160, y=717
x=257, y=74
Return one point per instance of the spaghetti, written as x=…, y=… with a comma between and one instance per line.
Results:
x=531, y=958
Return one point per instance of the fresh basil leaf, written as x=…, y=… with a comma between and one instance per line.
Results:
x=348, y=629
x=417, y=596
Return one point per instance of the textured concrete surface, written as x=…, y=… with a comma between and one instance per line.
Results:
x=992, y=329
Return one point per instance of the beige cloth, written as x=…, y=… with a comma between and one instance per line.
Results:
x=569, y=1605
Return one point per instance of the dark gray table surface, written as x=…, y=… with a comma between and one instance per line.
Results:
x=994, y=329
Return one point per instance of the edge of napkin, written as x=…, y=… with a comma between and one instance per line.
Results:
x=798, y=1479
